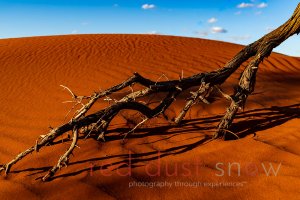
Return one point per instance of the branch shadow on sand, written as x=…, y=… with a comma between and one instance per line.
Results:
x=247, y=123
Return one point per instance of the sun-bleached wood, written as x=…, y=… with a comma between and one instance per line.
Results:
x=99, y=121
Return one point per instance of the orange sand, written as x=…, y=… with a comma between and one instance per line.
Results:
x=33, y=68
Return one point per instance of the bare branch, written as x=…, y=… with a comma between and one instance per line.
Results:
x=100, y=120
x=134, y=128
x=64, y=159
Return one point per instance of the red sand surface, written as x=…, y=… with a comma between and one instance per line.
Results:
x=33, y=68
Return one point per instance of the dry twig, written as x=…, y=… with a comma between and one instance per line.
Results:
x=101, y=119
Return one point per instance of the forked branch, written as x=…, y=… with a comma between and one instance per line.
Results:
x=81, y=123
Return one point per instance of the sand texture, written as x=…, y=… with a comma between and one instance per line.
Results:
x=31, y=99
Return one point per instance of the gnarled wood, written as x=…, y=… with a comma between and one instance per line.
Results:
x=99, y=121
x=248, y=77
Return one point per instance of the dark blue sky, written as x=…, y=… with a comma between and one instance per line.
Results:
x=223, y=4
x=227, y=20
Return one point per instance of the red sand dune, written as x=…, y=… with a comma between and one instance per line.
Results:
x=33, y=68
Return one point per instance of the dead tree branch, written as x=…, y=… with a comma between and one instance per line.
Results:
x=81, y=123
x=248, y=78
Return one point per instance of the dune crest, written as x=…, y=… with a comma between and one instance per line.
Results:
x=33, y=68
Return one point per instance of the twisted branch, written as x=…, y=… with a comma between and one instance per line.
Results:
x=81, y=123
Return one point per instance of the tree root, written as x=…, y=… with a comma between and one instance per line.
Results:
x=100, y=120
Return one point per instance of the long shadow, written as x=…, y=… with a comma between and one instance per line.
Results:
x=263, y=119
x=248, y=122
